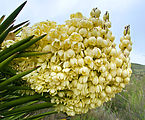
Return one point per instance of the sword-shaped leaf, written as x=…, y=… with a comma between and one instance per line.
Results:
x=20, y=24
x=29, y=54
x=19, y=101
x=17, y=31
x=15, y=117
x=29, y=108
x=15, y=45
x=7, y=61
x=22, y=47
x=4, y=34
x=11, y=18
x=15, y=77
x=10, y=70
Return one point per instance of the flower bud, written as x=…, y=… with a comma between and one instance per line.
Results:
x=92, y=41
x=126, y=80
x=118, y=79
x=95, y=13
x=83, y=32
x=73, y=62
x=88, y=59
x=126, y=52
x=113, y=52
x=129, y=47
x=103, y=94
x=81, y=62
x=119, y=72
x=125, y=42
x=122, y=85
x=83, y=79
x=109, y=77
x=101, y=80
x=84, y=71
x=118, y=62
x=108, y=89
x=99, y=40
x=125, y=73
x=95, y=80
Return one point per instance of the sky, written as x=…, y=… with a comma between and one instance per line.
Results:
x=122, y=12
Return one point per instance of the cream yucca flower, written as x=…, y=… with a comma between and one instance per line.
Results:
x=83, y=69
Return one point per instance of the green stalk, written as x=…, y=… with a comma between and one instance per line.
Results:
x=15, y=77
x=20, y=24
x=18, y=116
x=26, y=109
x=18, y=88
x=19, y=101
x=15, y=45
x=22, y=47
x=16, y=94
x=40, y=115
x=15, y=117
x=10, y=98
x=4, y=34
x=11, y=18
x=5, y=93
x=29, y=54
x=17, y=31
x=7, y=72
x=10, y=70
x=7, y=61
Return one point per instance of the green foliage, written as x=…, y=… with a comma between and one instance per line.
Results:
x=11, y=18
x=129, y=103
x=13, y=105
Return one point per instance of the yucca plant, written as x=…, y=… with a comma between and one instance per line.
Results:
x=12, y=104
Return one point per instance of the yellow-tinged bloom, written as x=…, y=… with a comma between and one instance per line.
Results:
x=95, y=80
x=92, y=41
x=125, y=73
x=108, y=89
x=83, y=32
x=83, y=69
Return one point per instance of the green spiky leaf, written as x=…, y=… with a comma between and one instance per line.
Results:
x=15, y=45
x=29, y=108
x=17, y=31
x=20, y=24
x=19, y=101
x=22, y=47
x=10, y=19
x=4, y=34
x=7, y=61
x=28, y=54
x=9, y=70
x=16, y=77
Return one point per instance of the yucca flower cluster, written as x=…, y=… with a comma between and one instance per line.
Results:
x=83, y=68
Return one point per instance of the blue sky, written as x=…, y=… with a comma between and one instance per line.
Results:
x=122, y=12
